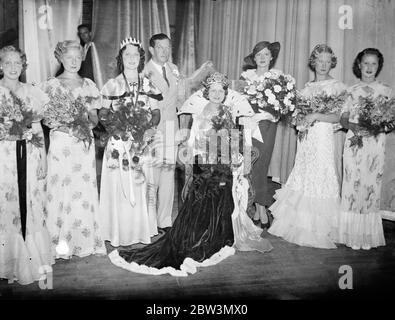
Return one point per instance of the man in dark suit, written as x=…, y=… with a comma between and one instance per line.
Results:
x=85, y=35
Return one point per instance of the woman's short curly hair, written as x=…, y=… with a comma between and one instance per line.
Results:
x=321, y=48
x=119, y=58
x=8, y=49
x=62, y=47
x=372, y=51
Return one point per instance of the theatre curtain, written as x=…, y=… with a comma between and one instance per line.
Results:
x=187, y=49
x=42, y=23
x=229, y=29
x=114, y=20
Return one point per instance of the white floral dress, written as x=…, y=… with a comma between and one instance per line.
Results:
x=307, y=206
x=72, y=204
x=124, y=195
x=360, y=224
x=23, y=260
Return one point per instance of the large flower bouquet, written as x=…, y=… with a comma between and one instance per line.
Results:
x=16, y=120
x=275, y=93
x=376, y=115
x=64, y=110
x=320, y=103
x=128, y=121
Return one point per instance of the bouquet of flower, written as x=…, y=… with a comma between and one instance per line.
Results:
x=64, y=110
x=376, y=115
x=224, y=131
x=128, y=122
x=320, y=103
x=275, y=94
x=16, y=120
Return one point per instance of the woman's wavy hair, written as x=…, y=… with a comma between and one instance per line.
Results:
x=62, y=47
x=119, y=58
x=373, y=51
x=8, y=49
x=321, y=48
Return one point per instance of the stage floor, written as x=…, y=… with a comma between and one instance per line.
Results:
x=287, y=272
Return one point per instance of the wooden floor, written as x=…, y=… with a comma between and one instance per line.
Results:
x=287, y=272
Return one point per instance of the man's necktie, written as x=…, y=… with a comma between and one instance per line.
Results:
x=164, y=75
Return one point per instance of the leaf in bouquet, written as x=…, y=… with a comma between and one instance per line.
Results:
x=80, y=123
x=23, y=117
x=375, y=114
x=356, y=140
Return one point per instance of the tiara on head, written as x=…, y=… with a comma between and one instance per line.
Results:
x=216, y=77
x=129, y=40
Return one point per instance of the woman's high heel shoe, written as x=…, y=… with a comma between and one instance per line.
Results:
x=266, y=221
x=256, y=219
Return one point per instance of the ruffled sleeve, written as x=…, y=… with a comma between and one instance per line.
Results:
x=351, y=105
x=348, y=103
x=47, y=85
x=385, y=90
x=92, y=95
x=337, y=88
x=110, y=91
x=38, y=100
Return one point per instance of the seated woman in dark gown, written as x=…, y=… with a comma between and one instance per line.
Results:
x=212, y=221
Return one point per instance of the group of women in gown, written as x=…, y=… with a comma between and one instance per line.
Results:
x=49, y=206
x=49, y=202
x=313, y=208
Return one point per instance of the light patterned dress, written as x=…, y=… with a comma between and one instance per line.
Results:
x=127, y=203
x=360, y=224
x=72, y=204
x=307, y=206
x=23, y=260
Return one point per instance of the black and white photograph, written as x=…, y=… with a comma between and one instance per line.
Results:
x=197, y=157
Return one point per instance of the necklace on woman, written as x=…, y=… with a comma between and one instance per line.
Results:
x=135, y=87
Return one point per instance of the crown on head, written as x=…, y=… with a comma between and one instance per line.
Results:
x=216, y=77
x=130, y=40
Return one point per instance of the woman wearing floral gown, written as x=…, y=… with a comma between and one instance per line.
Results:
x=360, y=224
x=72, y=198
x=123, y=193
x=25, y=253
x=212, y=220
x=306, y=207
x=257, y=66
